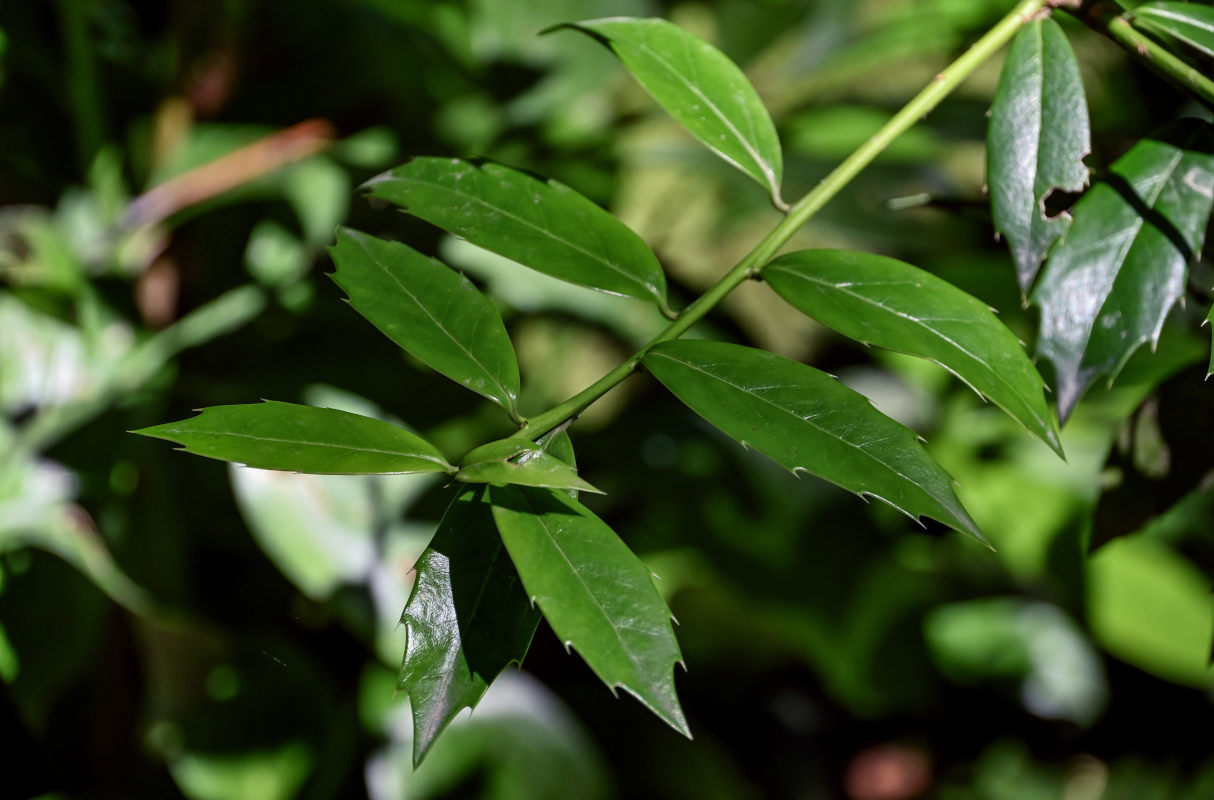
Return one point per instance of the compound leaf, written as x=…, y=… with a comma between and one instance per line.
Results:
x=807, y=421
x=543, y=225
x=701, y=88
x=1190, y=23
x=467, y=618
x=1036, y=141
x=295, y=438
x=521, y=463
x=882, y=301
x=430, y=311
x=1110, y=284
x=597, y=596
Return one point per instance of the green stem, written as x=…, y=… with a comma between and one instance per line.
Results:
x=1105, y=17
x=800, y=213
x=141, y=364
x=83, y=89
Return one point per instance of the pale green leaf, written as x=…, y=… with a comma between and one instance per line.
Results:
x=807, y=421
x=544, y=225
x=1036, y=141
x=597, y=596
x=522, y=463
x=295, y=438
x=882, y=301
x=701, y=88
x=430, y=311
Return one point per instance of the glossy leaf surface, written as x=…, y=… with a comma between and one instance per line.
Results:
x=807, y=421
x=1191, y=23
x=467, y=618
x=430, y=311
x=701, y=88
x=1036, y=141
x=1109, y=285
x=597, y=596
x=543, y=225
x=295, y=438
x=521, y=463
x=882, y=301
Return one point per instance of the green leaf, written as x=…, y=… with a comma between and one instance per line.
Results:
x=430, y=311
x=522, y=463
x=1110, y=284
x=467, y=618
x=881, y=301
x=1150, y=607
x=701, y=88
x=1036, y=141
x=323, y=441
x=597, y=596
x=1210, y=321
x=807, y=421
x=543, y=225
x=1190, y=23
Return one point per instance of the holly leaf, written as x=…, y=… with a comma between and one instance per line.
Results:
x=597, y=596
x=543, y=225
x=467, y=618
x=431, y=312
x=807, y=421
x=1036, y=141
x=882, y=301
x=522, y=463
x=701, y=88
x=295, y=438
x=1190, y=23
x=1110, y=284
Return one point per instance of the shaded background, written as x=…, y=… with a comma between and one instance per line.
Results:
x=171, y=626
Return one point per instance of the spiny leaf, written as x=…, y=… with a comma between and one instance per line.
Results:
x=543, y=225
x=701, y=88
x=522, y=463
x=1036, y=141
x=1190, y=23
x=882, y=301
x=597, y=596
x=285, y=436
x=467, y=618
x=807, y=421
x=1110, y=284
x=430, y=311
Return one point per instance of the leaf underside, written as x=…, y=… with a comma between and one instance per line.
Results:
x=295, y=438
x=467, y=618
x=430, y=311
x=888, y=303
x=598, y=597
x=701, y=88
x=1190, y=23
x=1110, y=284
x=807, y=421
x=543, y=225
x=520, y=463
x=1036, y=141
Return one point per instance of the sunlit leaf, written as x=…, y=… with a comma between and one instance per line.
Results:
x=1191, y=23
x=430, y=311
x=1109, y=285
x=1151, y=607
x=597, y=596
x=522, y=463
x=325, y=441
x=1036, y=141
x=701, y=88
x=543, y=225
x=882, y=301
x=467, y=618
x=807, y=421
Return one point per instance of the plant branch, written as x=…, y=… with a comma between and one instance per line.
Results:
x=800, y=213
x=1106, y=18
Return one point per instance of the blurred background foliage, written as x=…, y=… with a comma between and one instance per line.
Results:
x=170, y=174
